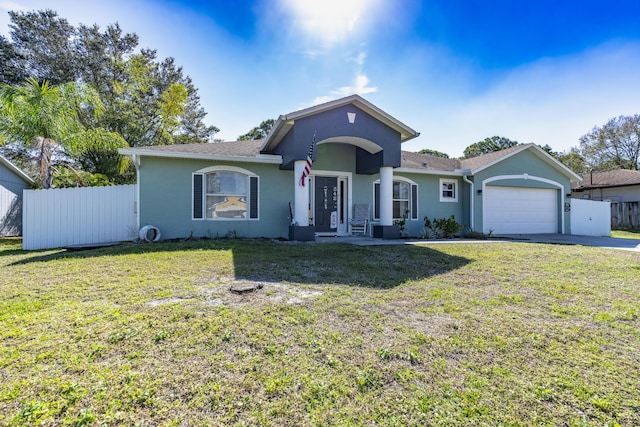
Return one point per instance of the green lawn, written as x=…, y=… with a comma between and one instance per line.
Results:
x=626, y=234
x=452, y=334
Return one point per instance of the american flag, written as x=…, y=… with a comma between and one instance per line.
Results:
x=307, y=166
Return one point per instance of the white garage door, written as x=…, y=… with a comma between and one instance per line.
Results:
x=519, y=210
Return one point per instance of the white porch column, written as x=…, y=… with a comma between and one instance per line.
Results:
x=301, y=196
x=386, y=195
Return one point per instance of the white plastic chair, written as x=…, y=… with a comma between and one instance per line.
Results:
x=360, y=221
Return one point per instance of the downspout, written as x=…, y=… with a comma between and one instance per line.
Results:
x=465, y=173
x=472, y=211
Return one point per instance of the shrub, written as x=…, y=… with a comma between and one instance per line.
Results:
x=441, y=227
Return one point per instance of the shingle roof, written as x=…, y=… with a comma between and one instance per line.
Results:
x=475, y=163
x=233, y=148
x=428, y=162
x=615, y=178
x=249, y=151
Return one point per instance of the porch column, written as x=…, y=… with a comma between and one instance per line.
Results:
x=301, y=230
x=386, y=229
x=386, y=195
x=301, y=196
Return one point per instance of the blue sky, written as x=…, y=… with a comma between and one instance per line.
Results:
x=456, y=71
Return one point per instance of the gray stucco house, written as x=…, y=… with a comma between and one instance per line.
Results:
x=12, y=182
x=620, y=185
x=261, y=188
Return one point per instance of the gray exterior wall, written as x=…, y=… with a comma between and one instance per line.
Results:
x=528, y=163
x=165, y=200
x=630, y=193
x=11, y=186
x=334, y=123
x=165, y=195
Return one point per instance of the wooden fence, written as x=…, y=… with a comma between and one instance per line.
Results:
x=625, y=214
x=78, y=216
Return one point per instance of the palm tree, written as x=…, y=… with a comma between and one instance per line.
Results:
x=51, y=117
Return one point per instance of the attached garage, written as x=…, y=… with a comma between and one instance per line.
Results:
x=520, y=210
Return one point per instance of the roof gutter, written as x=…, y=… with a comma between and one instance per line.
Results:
x=260, y=158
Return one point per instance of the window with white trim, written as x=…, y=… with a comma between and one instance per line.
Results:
x=405, y=199
x=221, y=194
x=448, y=190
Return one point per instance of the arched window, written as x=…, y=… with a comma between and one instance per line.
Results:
x=225, y=193
x=405, y=199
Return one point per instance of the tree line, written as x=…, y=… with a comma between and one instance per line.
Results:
x=71, y=96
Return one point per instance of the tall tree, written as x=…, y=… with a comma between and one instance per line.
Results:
x=488, y=145
x=44, y=44
x=12, y=68
x=574, y=160
x=47, y=118
x=258, y=132
x=139, y=92
x=615, y=145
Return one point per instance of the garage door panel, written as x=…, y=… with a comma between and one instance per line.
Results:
x=520, y=210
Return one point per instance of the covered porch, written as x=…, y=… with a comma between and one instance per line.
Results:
x=348, y=143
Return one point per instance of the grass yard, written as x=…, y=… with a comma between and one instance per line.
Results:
x=633, y=233
x=451, y=334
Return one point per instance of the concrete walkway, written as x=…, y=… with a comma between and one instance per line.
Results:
x=559, y=239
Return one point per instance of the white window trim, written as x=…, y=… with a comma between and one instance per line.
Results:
x=402, y=179
x=212, y=169
x=456, y=190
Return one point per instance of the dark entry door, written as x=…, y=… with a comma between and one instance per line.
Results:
x=326, y=206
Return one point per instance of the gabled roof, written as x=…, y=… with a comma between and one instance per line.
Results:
x=13, y=168
x=485, y=160
x=426, y=163
x=615, y=178
x=477, y=164
x=285, y=122
x=239, y=151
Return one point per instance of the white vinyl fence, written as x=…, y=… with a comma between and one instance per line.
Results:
x=590, y=218
x=78, y=216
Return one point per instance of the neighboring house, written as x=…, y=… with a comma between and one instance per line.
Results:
x=622, y=185
x=250, y=188
x=12, y=182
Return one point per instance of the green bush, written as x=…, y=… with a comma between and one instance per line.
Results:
x=439, y=228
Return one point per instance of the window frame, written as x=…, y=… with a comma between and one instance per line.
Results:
x=199, y=198
x=456, y=188
x=412, y=204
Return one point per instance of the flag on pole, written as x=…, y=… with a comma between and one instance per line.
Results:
x=307, y=166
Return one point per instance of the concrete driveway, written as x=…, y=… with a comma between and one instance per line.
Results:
x=559, y=239
x=567, y=239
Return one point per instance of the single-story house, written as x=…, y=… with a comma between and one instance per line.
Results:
x=621, y=185
x=12, y=182
x=265, y=189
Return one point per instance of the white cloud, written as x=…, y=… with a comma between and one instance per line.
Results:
x=359, y=86
x=551, y=101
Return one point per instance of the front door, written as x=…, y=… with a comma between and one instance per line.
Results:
x=326, y=204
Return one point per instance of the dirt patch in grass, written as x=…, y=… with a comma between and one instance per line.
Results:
x=265, y=292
